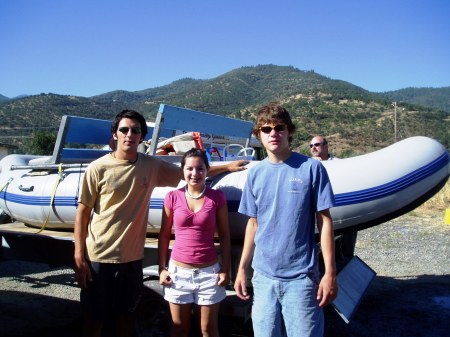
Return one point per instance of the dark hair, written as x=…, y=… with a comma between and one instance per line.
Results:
x=195, y=153
x=131, y=114
x=273, y=113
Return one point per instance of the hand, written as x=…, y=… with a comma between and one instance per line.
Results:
x=327, y=291
x=237, y=165
x=164, y=278
x=223, y=279
x=240, y=286
x=82, y=272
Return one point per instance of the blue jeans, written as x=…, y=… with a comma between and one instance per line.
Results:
x=286, y=308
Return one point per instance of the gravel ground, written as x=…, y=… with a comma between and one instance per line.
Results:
x=409, y=297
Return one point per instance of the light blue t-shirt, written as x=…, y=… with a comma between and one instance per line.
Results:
x=284, y=198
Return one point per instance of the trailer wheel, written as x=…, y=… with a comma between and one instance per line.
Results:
x=152, y=316
x=345, y=249
x=4, y=218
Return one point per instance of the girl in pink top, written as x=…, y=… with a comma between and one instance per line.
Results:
x=194, y=275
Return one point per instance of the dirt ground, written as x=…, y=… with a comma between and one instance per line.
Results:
x=410, y=296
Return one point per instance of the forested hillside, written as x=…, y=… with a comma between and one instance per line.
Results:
x=354, y=120
x=438, y=98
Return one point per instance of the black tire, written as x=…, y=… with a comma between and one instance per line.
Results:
x=345, y=249
x=4, y=218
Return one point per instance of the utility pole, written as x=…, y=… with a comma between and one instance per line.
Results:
x=395, y=121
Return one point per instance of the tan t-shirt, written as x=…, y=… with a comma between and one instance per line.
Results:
x=119, y=193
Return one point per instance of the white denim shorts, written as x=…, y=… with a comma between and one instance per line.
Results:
x=197, y=286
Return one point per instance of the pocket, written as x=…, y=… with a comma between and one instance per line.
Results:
x=216, y=268
x=175, y=275
x=313, y=278
x=210, y=278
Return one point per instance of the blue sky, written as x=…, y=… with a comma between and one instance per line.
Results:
x=89, y=47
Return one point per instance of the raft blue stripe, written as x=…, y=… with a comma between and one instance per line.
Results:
x=58, y=201
x=39, y=200
x=342, y=199
x=394, y=186
x=156, y=203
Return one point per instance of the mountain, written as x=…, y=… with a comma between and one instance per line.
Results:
x=237, y=89
x=353, y=119
x=438, y=98
x=4, y=98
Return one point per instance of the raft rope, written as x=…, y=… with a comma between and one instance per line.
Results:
x=6, y=185
x=77, y=195
x=59, y=178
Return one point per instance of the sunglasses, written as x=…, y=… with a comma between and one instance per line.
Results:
x=125, y=129
x=277, y=128
x=315, y=144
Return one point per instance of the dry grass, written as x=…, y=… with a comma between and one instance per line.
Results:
x=439, y=202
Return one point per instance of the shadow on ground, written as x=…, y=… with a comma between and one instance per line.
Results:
x=398, y=307
x=391, y=307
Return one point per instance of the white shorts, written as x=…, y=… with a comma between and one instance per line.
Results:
x=197, y=286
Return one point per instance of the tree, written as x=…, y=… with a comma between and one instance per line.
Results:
x=42, y=143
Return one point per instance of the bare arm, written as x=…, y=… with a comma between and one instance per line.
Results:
x=328, y=288
x=240, y=284
x=82, y=271
x=163, y=245
x=232, y=166
x=225, y=246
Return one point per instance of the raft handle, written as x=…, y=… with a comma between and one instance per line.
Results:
x=26, y=189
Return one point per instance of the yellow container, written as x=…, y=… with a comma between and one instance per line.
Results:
x=447, y=216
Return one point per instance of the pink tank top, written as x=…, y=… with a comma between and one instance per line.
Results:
x=194, y=232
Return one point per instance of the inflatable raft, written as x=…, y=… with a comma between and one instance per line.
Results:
x=369, y=189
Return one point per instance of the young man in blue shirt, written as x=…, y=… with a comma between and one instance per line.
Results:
x=283, y=196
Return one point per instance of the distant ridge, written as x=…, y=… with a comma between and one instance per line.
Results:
x=4, y=98
x=438, y=98
x=354, y=119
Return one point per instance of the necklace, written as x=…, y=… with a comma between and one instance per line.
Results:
x=197, y=196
